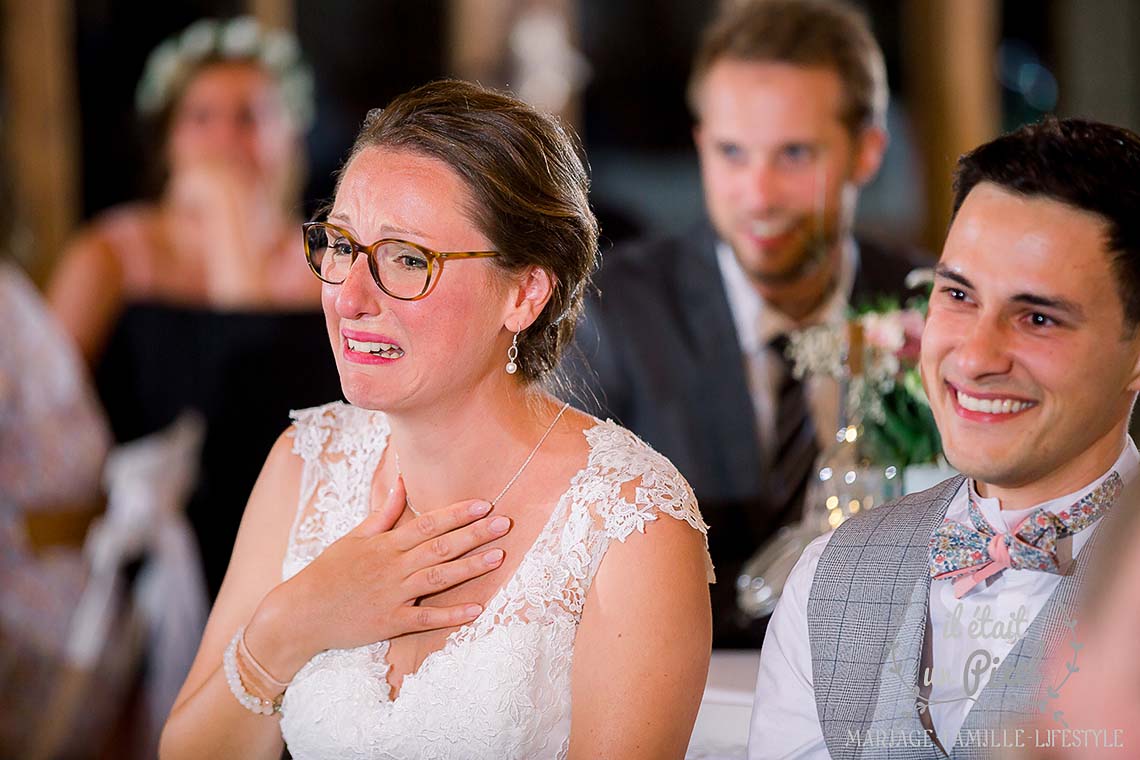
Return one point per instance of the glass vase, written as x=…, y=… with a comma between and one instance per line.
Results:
x=846, y=481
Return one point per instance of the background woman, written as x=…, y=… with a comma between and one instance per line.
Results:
x=201, y=299
x=534, y=621
x=53, y=441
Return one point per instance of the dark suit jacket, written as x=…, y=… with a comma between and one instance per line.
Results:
x=658, y=352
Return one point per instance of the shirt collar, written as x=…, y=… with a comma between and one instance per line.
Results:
x=1126, y=465
x=758, y=322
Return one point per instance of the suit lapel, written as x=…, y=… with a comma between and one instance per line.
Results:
x=727, y=415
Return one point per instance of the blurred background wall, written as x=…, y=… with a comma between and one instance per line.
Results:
x=960, y=71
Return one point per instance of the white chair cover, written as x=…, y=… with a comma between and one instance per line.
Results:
x=147, y=483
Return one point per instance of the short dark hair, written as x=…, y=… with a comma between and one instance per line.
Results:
x=803, y=33
x=528, y=184
x=1084, y=164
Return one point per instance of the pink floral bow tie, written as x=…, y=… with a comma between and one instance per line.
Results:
x=969, y=556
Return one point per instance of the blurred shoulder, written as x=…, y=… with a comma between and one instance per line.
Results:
x=123, y=225
x=651, y=258
x=114, y=237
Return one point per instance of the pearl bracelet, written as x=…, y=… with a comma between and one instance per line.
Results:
x=251, y=702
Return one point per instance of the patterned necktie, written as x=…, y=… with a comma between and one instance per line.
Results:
x=795, y=446
x=969, y=556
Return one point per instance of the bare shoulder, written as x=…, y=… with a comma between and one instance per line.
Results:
x=646, y=625
x=90, y=252
x=643, y=485
x=91, y=281
x=255, y=566
x=273, y=502
x=656, y=560
x=574, y=439
x=666, y=551
x=117, y=232
x=657, y=538
x=283, y=460
x=652, y=586
x=127, y=237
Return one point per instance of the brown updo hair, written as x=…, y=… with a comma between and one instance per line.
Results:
x=529, y=187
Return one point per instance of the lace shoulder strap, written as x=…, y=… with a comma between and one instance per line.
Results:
x=340, y=446
x=627, y=484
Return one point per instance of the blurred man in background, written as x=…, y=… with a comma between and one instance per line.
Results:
x=685, y=341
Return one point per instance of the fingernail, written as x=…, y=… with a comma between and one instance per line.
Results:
x=500, y=525
x=480, y=508
x=493, y=557
x=473, y=610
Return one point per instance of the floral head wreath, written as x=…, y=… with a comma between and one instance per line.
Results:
x=238, y=39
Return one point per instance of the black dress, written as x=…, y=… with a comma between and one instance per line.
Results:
x=242, y=371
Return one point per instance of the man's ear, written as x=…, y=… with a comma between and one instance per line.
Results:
x=870, y=147
x=698, y=142
x=532, y=291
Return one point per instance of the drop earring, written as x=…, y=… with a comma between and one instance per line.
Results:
x=513, y=355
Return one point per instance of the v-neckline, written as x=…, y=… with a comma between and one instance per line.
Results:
x=392, y=694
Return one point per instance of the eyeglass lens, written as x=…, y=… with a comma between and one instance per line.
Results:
x=403, y=269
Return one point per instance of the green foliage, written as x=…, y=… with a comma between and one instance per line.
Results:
x=907, y=434
x=885, y=304
x=879, y=304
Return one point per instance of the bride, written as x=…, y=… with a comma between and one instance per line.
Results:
x=564, y=611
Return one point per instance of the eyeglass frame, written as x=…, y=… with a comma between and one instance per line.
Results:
x=430, y=281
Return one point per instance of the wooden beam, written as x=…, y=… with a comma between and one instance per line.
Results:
x=1099, y=86
x=41, y=145
x=949, y=48
x=274, y=14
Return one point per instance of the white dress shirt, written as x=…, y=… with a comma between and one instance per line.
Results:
x=785, y=722
x=758, y=322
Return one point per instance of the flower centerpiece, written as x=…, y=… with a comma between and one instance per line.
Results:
x=886, y=428
x=885, y=396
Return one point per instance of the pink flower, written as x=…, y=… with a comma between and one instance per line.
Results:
x=883, y=331
x=895, y=332
x=913, y=323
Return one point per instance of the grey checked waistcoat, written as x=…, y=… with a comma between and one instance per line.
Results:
x=867, y=616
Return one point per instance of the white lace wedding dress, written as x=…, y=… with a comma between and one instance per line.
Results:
x=500, y=686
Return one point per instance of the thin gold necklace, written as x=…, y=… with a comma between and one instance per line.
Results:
x=515, y=477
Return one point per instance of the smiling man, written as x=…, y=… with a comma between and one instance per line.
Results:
x=924, y=627
x=684, y=343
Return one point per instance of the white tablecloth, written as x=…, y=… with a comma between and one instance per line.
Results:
x=721, y=732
